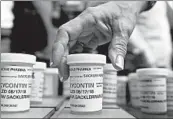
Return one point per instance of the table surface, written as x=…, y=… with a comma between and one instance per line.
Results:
x=32, y=113
x=50, y=103
x=106, y=113
x=60, y=108
x=138, y=114
x=109, y=111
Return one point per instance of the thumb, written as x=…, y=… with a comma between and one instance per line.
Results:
x=117, y=51
x=122, y=29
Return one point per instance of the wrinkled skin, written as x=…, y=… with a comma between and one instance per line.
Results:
x=110, y=22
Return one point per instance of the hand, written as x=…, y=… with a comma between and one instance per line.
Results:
x=110, y=22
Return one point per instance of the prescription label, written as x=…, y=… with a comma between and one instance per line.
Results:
x=170, y=94
x=110, y=88
x=86, y=88
x=15, y=88
x=37, y=86
x=153, y=95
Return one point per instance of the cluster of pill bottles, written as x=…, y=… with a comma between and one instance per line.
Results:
x=92, y=84
x=25, y=81
x=92, y=81
x=151, y=90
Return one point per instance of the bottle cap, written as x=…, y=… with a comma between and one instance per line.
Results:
x=152, y=71
x=51, y=71
x=17, y=58
x=86, y=58
x=40, y=65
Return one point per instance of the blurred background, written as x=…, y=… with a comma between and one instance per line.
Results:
x=30, y=27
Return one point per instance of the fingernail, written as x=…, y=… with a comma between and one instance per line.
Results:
x=119, y=63
x=61, y=79
x=52, y=65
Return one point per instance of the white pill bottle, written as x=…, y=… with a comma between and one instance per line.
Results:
x=16, y=81
x=134, y=90
x=109, y=85
x=121, y=90
x=51, y=83
x=153, y=90
x=170, y=92
x=38, y=82
x=86, y=82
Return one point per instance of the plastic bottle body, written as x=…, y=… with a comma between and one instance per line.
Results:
x=121, y=90
x=86, y=82
x=86, y=88
x=37, y=86
x=170, y=93
x=51, y=82
x=134, y=90
x=16, y=81
x=109, y=85
x=153, y=91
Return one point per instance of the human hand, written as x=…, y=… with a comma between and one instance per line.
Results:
x=110, y=22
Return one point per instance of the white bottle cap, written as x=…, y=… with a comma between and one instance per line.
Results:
x=133, y=76
x=17, y=58
x=40, y=65
x=152, y=71
x=51, y=71
x=86, y=58
x=109, y=67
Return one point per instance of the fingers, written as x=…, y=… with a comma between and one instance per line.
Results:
x=117, y=52
x=66, y=37
x=59, y=47
x=118, y=45
x=64, y=72
x=59, y=54
x=65, y=34
x=88, y=42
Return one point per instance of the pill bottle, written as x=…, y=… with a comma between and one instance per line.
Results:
x=37, y=82
x=16, y=80
x=66, y=88
x=121, y=90
x=109, y=84
x=134, y=90
x=86, y=82
x=153, y=90
x=170, y=92
x=51, y=83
